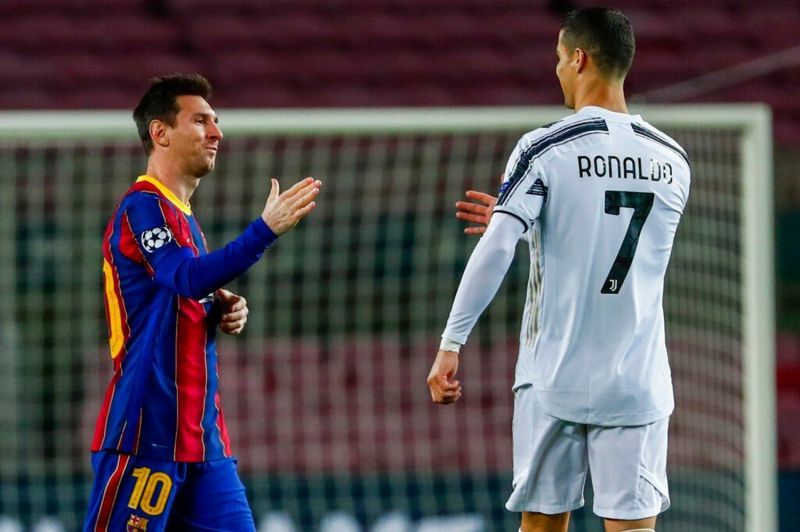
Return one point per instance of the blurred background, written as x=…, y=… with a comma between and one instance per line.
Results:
x=82, y=54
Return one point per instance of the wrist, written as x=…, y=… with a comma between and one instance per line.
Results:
x=449, y=345
x=264, y=231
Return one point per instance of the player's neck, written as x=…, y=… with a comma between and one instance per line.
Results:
x=183, y=186
x=601, y=94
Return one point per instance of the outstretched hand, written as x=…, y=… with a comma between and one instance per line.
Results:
x=478, y=211
x=285, y=210
x=445, y=389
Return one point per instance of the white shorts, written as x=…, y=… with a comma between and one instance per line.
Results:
x=551, y=457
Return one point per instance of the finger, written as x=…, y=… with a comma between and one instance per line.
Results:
x=447, y=385
x=434, y=390
x=442, y=398
x=237, y=303
x=229, y=327
x=471, y=206
x=452, y=392
x=480, y=196
x=475, y=230
x=477, y=218
x=233, y=331
x=236, y=314
x=301, y=200
x=223, y=294
x=230, y=317
x=302, y=213
x=450, y=397
x=464, y=206
x=275, y=190
x=298, y=187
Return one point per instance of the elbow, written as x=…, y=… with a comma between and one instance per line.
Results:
x=196, y=291
x=190, y=292
x=197, y=294
x=505, y=256
x=185, y=288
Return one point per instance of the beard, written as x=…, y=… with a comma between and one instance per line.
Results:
x=201, y=166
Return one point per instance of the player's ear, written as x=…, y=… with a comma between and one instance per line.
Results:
x=158, y=132
x=579, y=60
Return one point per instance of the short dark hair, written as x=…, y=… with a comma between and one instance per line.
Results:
x=605, y=35
x=160, y=101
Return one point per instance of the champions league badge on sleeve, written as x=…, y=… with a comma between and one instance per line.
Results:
x=153, y=239
x=137, y=524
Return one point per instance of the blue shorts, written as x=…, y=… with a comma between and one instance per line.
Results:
x=134, y=494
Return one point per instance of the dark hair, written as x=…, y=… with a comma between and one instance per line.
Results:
x=605, y=35
x=160, y=101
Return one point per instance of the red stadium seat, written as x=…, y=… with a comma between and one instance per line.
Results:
x=373, y=52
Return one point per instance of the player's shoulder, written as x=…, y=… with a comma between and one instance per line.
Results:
x=562, y=131
x=143, y=206
x=648, y=131
x=142, y=195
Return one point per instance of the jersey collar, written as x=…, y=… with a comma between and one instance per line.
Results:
x=593, y=110
x=167, y=193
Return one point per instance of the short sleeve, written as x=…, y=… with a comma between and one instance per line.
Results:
x=525, y=186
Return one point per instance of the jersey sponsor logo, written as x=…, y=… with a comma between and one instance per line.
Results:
x=538, y=189
x=137, y=524
x=155, y=238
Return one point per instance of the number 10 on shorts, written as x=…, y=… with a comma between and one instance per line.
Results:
x=144, y=492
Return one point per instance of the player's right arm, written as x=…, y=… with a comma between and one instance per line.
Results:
x=488, y=264
x=174, y=265
x=486, y=268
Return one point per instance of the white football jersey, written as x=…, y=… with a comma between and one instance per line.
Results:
x=600, y=195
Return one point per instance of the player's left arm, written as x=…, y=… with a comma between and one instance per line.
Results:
x=233, y=311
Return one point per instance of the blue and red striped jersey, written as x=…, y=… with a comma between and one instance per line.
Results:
x=163, y=401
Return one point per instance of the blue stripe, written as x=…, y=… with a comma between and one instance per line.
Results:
x=648, y=134
x=540, y=146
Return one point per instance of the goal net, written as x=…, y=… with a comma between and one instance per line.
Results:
x=325, y=393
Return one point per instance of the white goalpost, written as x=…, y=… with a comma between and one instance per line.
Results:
x=325, y=393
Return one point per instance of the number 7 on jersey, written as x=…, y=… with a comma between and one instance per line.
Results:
x=641, y=203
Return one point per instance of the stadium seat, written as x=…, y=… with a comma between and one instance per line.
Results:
x=453, y=52
x=789, y=428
